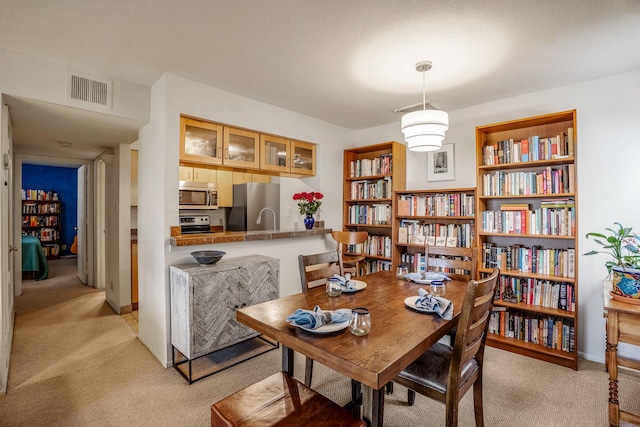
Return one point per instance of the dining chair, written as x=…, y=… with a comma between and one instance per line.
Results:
x=455, y=262
x=353, y=260
x=445, y=373
x=314, y=270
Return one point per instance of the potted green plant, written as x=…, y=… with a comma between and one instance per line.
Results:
x=621, y=244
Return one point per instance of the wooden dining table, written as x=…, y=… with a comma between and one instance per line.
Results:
x=398, y=335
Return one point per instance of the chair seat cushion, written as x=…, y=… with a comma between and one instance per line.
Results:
x=280, y=400
x=432, y=368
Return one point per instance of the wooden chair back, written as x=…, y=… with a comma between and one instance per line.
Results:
x=456, y=263
x=316, y=268
x=471, y=336
x=351, y=262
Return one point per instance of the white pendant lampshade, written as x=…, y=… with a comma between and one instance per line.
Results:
x=424, y=129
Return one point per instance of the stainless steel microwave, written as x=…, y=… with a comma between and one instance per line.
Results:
x=198, y=195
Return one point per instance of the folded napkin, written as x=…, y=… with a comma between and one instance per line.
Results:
x=440, y=305
x=345, y=281
x=317, y=317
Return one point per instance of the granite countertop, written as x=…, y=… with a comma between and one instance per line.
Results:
x=243, y=236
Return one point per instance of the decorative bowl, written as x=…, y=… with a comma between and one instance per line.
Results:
x=207, y=257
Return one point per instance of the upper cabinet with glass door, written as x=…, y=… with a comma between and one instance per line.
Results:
x=285, y=155
x=241, y=148
x=204, y=142
x=200, y=141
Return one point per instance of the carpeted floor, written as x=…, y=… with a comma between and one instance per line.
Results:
x=75, y=362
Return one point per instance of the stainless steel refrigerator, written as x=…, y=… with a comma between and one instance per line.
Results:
x=251, y=201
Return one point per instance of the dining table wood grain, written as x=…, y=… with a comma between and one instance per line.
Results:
x=398, y=335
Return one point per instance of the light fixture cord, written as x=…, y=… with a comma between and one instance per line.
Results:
x=424, y=91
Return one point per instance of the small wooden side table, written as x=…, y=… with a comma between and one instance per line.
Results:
x=623, y=325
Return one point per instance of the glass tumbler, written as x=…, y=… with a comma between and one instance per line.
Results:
x=437, y=288
x=333, y=287
x=360, y=323
x=401, y=271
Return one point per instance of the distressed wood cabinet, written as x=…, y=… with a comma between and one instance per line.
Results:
x=204, y=300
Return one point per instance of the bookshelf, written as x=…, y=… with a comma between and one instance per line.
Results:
x=41, y=218
x=434, y=217
x=527, y=226
x=371, y=175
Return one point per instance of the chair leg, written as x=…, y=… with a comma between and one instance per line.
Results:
x=308, y=371
x=411, y=397
x=389, y=387
x=477, y=402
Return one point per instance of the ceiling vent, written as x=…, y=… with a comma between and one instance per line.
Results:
x=89, y=90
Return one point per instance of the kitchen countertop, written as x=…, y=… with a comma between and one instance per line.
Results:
x=243, y=236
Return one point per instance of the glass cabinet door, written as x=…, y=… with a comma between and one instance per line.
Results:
x=200, y=141
x=304, y=158
x=275, y=153
x=240, y=148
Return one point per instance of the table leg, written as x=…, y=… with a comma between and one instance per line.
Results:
x=373, y=406
x=287, y=360
x=612, y=367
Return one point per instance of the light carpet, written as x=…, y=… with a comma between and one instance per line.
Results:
x=75, y=362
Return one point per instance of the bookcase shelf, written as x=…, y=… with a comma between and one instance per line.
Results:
x=421, y=215
x=41, y=219
x=527, y=182
x=371, y=175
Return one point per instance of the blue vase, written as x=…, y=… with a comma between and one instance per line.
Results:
x=309, y=221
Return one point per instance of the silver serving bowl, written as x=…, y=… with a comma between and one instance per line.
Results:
x=207, y=257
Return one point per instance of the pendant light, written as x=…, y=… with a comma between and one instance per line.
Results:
x=424, y=129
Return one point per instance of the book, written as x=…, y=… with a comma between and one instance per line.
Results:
x=514, y=207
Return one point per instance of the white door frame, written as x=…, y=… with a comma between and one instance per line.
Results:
x=19, y=159
x=8, y=247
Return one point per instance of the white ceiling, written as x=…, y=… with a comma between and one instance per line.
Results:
x=347, y=62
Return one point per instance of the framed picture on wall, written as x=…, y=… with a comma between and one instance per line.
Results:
x=440, y=164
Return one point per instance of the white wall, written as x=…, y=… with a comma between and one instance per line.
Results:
x=158, y=191
x=608, y=180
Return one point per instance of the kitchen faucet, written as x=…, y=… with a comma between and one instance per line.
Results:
x=274, y=217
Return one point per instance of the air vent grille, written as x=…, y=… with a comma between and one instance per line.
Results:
x=91, y=90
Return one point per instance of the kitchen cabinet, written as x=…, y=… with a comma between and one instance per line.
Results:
x=204, y=300
x=195, y=174
x=285, y=155
x=214, y=144
x=241, y=148
x=200, y=141
x=134, y=275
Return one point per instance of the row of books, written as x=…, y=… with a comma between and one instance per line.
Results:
x=551, y=332
x=541, y=293
x=375, y=214
x=39, y=195
x=41, y=208
x=39, y=221
x=380, y=189
x=534, y=259
x=377, y=246
x=413, y=232
x=447, y=204
x=529, y=149
x=375, y=265
x=370, y=167
x=548, y=181
x=545, y=221
x=44, y=234
x=51, y=250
